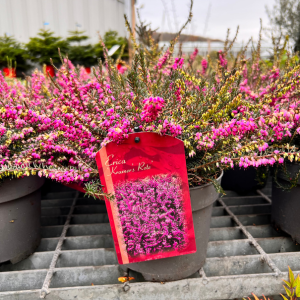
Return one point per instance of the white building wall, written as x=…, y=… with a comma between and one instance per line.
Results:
x=23, y=18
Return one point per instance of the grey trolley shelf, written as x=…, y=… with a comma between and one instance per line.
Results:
x=76, y=258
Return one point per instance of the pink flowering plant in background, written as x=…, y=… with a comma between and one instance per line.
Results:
x=151, y=214
x=54, y=127
x=258, y=75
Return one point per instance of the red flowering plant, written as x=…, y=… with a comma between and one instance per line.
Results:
x=54, y=129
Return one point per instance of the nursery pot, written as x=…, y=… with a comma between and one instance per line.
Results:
x=20, y=213
x=50, y=70
x=180, y=267
x=9, y=72
x=286, y=204
x=88, y=70
x=241, y=180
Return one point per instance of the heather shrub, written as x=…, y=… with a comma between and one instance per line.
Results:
x=54, y=127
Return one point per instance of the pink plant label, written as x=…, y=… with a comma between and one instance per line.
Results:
x=150, y=212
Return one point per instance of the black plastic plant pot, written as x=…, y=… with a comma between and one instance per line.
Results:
x=241, y=180
x=286, y=204
x=20, y=213
x=180, y=267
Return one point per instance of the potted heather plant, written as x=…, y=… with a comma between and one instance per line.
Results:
x=71, y=118
x=20, y=207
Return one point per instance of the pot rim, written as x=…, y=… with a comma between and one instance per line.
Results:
x=16, y=188
x=207, y=184
x=293, y=168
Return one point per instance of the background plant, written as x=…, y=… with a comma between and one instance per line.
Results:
x=43, y=47
x=14, y=52
x=79, y=52
x=110, y=39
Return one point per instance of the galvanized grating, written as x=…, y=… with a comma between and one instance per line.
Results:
x=245, y=254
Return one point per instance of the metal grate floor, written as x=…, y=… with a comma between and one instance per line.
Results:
x=245, y=254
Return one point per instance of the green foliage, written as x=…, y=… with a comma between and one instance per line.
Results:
x=292, y=288
x=44, y=46
x=262, y=174
x=194, y=161
x=11, y=50
x=93, y=189
x=83, y=55
x=110, y=39
x=77, y=36
x=145, y=37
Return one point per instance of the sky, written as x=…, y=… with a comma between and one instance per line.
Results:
x=219, y=15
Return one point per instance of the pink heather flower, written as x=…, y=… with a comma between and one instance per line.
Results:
x=193, y=56
x=245, y=72
x=272, y=161
x=152, y=107
x=222, y=59
x=178, y=63
x=274, y=74
x=171, y=128
x=204, y=64
x=163, y=60
x=244, y=82
x=122, y=69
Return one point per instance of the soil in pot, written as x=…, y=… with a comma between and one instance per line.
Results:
x=244, y=181
x=179, y=267
x=20, y=213
x=286, y=203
